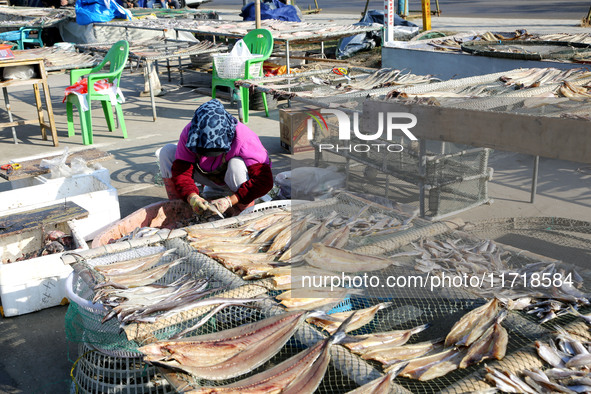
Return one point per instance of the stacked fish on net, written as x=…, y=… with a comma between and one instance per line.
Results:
x=129, y=291
x=569, y=360
x=477, y=336
x=264, y=247
x=525, y=285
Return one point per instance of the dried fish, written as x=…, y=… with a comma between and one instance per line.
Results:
x=138, y=263
x=395, y=354
x=361, y=344
x=434, y=365
x=473, y=324
x=382, y=385
x=142, y=278
x=332, y=322
x=507, y=382
x=299, y=374
x=550, y=355
x=227, y=353
x=492, y=344
x=318, y=298
x=339, y=260
x=222, y=247
x=303, y=243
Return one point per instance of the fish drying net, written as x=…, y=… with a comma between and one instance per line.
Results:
x=410, y=306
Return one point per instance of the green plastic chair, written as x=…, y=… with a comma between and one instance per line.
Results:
x=116, y=58
x=259, y=42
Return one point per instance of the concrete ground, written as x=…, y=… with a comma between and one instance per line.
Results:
x=35, y=356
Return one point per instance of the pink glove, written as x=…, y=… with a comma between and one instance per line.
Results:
x=222, y=204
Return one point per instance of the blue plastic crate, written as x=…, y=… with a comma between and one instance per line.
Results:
x=343, y=306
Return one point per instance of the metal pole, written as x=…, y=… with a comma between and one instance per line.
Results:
x=389, y=20
x=257, y=12
x=422, y=174
x=534, y=179
x=426, y=14
x=364, y=11
x=287, y=56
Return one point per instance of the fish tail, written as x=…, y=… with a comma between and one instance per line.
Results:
x=340, y=334
x=396, y=368
x=418, y=329
x=574, y=311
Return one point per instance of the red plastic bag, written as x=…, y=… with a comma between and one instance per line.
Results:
x=81, y=87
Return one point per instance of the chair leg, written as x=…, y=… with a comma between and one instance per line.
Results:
x=213, y=86
x=70, y=117
x=245, y=103
x=84, y=126
x=121, y=120
x=265, y=103
x=108, y=111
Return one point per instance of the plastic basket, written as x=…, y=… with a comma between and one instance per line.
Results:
x=232, y=67
x=97, y=372
x=270, y=205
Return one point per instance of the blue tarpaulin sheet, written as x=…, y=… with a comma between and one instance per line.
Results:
x=271, y=10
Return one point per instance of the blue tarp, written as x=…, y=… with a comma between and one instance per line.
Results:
x=90, y=11
x=271, y=10
x=350, y=45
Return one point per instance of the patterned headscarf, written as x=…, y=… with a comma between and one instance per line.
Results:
x=212, y=129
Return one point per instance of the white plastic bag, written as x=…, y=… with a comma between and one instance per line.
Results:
x=310, y=183
x=19, y=72
x=59, y=169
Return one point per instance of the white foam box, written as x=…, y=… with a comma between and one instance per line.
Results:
x=31, y=285
x=92, y=192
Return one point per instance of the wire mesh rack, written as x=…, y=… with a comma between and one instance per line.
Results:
x=410, y=306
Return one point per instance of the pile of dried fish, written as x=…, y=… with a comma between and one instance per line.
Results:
x=569, y=90
x=570, y=359
x=129, y=293
x=533, y=77
x=301, y=373
x=485, y=259
x=477, y=336
x=265, y=246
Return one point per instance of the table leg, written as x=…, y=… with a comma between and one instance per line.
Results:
x=181, y=70
x=534, y=180
x=287, y=56
x=39, y=106
x=7, y=103
x=168, y=69
x=49, y=107
x=149, y=67
x=322, y=50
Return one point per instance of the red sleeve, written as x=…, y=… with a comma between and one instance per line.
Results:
x=182, y=177
x=259, y=183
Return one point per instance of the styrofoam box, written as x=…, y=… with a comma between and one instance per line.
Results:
x=31, y=285
x=92, y=192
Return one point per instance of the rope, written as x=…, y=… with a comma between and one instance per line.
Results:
x=74, y=367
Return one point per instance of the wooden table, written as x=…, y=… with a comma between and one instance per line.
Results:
x=41, y=79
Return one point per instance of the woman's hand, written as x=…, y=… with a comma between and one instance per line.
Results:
x=222, y=204
x=198, y=204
